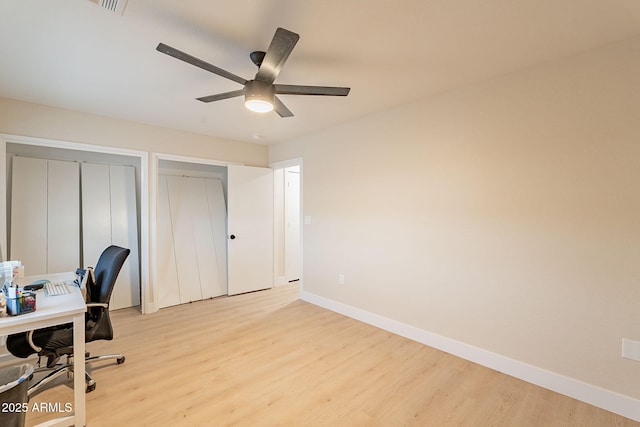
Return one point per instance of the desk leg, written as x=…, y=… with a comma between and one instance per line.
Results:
x=79, y=407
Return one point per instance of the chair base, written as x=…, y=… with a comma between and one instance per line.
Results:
x=67, y=368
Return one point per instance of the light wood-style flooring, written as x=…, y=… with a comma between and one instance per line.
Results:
x=269, y=359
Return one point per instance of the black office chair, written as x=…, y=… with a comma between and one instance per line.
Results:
x=57, y=341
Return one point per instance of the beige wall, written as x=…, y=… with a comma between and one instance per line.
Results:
x=505, y=215
x=26, y=119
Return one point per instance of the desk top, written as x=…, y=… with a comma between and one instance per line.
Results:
x=49, y=309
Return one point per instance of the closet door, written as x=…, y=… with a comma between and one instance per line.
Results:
x=182, y=224
x=191, y=239
x=109, y=217
x=124, y=232
x=63, y=216
x=168, y=289
x=96, y=212
x=209, y=279
x=29, y=214
x=218, y=214
x=45, y=234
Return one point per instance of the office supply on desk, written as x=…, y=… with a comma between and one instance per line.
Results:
x=17, y=300
x=21, y=302
x=35, y=286
x=56, y=288
x=53, y=343
x=84, y=276
x=9, y=270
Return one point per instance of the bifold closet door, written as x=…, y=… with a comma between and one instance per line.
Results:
x=191, y=239
x=168, y=289
x=109, y=217
x=45, y=215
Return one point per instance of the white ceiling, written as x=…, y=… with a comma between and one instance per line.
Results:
x=75, y=55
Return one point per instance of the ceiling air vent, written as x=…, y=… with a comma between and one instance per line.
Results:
x=115, y=6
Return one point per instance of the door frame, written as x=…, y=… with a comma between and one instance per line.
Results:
x=297, y=161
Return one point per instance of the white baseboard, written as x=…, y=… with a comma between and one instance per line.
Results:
x=588, y=393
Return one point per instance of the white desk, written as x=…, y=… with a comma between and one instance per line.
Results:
x=57, y=310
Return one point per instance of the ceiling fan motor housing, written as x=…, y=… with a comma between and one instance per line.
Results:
x=257, y=57
x=259, y=91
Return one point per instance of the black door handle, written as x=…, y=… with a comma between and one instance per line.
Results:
x=232, y=236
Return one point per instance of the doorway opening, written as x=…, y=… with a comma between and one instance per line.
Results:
x=288, y=214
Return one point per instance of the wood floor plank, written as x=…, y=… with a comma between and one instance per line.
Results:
x=268, y=359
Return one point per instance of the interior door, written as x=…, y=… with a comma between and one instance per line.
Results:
x=249, y=228
x=292, y=224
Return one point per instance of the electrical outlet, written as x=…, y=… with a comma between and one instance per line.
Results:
x=631, y=349
x=341, y=279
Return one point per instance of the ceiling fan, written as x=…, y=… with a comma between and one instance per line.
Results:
x=260, y=93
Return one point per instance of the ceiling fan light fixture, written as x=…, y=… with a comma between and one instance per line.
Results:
x=258, y=105
x=258, y=96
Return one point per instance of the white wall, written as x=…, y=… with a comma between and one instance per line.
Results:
x=504, y=215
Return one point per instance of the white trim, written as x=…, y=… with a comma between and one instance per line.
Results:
x=588, y=393
x=56, y=143
x=153, y=304
x=188, y=159
x=286, y=163
x=4, y=249
x=144, y=193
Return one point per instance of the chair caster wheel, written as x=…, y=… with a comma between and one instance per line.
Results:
x=90, y=388
x=120, y=360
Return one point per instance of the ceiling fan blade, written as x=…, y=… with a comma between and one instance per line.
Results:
x=221, y=96
x=311, y=90
x=168, y=50
x=279, y=50
x=280, y=108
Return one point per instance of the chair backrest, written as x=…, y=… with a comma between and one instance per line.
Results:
x=106, y=272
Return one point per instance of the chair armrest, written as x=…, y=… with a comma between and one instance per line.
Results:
x=31, y=343
x=97, y=304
